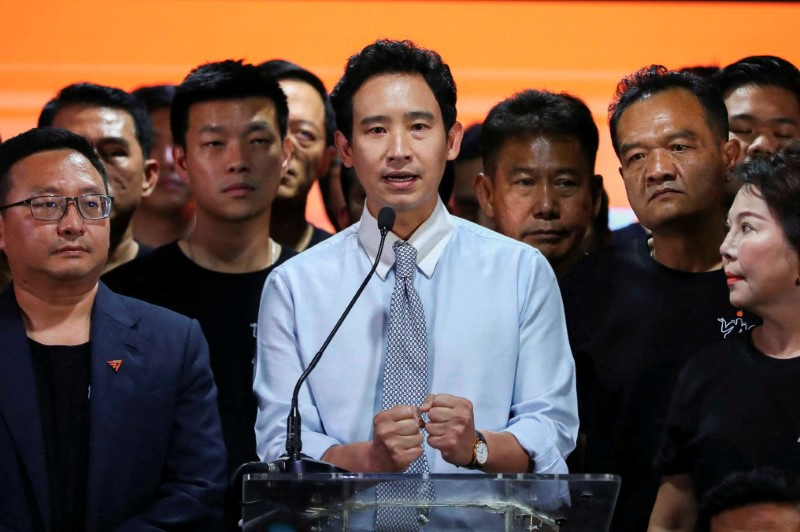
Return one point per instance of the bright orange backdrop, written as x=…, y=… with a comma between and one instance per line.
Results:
x=493, y=48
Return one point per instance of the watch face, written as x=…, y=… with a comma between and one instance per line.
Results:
x=481, y=452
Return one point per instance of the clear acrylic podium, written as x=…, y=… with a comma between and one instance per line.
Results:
x=348, y=501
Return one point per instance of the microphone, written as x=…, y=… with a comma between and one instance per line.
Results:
x=294, y=461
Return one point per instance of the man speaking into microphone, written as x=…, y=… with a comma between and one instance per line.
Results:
x=456, y=356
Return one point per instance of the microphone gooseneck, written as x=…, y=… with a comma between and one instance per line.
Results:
x=294, y=444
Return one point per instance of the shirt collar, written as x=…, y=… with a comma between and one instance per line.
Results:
x=429, y=240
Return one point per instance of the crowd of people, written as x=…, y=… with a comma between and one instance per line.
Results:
x=165, y=291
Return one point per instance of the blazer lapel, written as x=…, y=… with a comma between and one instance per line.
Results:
x=115, y=360
x=19, y=401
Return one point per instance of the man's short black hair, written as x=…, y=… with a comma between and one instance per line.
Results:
x=765, y=485
x=777, y=179
x=534, y=113
x=102, y=96
x=155, y=97
x=656, y=79
x=760, y=70
x=703, y=71
x=393, y=57
x=281, y=69
x=224, y=80
x=38, y=140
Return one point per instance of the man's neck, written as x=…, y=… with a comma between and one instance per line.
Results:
x=230, y=247
x=59, y=314
x=154, y=228
x=561, y=267
x=691, y=249
x=125, y=250
x=288, y=225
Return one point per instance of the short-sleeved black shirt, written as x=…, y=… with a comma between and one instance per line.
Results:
x=734, y=409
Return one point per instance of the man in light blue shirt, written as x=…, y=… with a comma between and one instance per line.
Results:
x=498, y=355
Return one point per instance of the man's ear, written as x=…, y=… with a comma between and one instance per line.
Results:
x=454, y=137
x=597, y=194
x=345, y=149
x=179, y=160
x=730, y=152
x=343, y=217
x=325, y=161
x=150, y=177
x=484, y=189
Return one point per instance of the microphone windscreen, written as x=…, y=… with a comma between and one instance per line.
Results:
x=386, y=218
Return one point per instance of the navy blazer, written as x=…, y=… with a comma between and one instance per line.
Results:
x=156, y=457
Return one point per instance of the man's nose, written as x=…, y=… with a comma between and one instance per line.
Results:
x=660, y=166
x=235, y=157
x=546, y=204
x=764, y=145
x=399, y=147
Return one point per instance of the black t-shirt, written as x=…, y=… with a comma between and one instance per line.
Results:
x=226, y=305
x=632, y=324
x=734, y=409
x=62, y=385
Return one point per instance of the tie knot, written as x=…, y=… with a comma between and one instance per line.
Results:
x=405, y=259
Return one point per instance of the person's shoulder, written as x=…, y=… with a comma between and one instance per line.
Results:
x=156, y=258
x=324, y=255
x=318, y=235
x=138, y=311
x=616, y=260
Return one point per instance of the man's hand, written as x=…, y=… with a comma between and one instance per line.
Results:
x=451, y=427
x=397, y=440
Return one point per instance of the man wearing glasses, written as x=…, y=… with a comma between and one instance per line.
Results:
x=108, y=416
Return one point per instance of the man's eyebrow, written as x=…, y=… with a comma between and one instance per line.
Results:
x=301, y=122
x=112, y=140
x=627, y=146
x=258, y=125
x=775, y=120
x=52, y=191
x=427, y=115
x=682, y=134
x=373, y=119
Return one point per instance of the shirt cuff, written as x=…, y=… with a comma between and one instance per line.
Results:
x=545, y=453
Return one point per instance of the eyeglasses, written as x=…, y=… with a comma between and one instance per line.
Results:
x=52, y=208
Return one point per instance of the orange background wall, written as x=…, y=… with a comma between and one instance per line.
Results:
x=493, y=48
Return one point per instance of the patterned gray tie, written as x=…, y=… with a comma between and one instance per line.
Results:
x=405, y=382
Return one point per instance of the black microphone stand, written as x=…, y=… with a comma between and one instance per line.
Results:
x=294, y=461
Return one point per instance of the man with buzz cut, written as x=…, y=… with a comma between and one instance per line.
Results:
x=461, y=333
x=638, y=310
x=108, y=414
x=538, y=184
x=229, y=124
x=117, y=126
